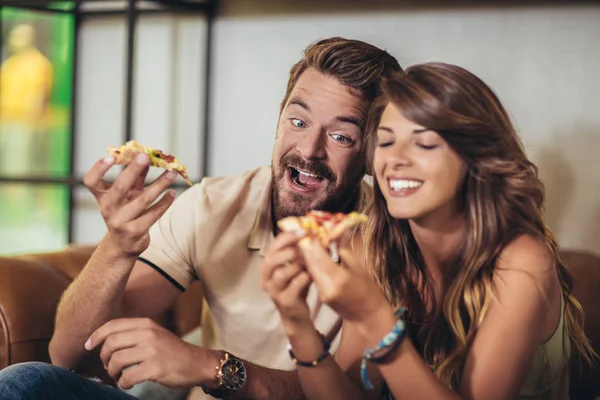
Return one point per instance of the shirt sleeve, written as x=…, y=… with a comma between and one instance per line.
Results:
x=172, y=239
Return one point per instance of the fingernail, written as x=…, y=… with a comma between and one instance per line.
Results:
x=299, y=232
x=170, y=193
x=171, y=175
x=142, y=159
x=109, y=159
x=88, y=344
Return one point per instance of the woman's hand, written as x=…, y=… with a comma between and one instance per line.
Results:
x=286, y=281
x=346, y=288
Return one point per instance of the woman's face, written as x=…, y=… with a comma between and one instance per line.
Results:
x=417, y=171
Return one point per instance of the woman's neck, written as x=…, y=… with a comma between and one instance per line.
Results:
x=438, y=235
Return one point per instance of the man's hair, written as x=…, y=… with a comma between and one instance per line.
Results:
x=356, y=64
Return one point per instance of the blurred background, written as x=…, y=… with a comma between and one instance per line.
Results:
x=203, y=80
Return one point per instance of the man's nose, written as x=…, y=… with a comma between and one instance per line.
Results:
x=312, y=144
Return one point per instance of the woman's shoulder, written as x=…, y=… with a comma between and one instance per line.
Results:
x=526, y=269
x=526, y=254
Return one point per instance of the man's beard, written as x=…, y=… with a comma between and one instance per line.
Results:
x=333, y=199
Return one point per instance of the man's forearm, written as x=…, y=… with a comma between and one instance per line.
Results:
x=93, y=298
x=262, y=383
x=265, y=383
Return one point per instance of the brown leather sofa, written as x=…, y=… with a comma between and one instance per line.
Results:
x=31, y=286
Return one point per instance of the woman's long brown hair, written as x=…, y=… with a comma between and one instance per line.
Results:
x=502, y=198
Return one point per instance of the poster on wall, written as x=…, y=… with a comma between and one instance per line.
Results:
x=36, y=69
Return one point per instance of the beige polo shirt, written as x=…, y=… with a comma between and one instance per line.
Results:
x=218, y=231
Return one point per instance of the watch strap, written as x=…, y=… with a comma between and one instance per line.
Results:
x=219, y=392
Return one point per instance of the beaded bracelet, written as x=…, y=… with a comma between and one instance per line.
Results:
x=316, y=362
x=388, y=345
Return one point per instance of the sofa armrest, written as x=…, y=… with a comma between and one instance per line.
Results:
x=30, y=289
x=29, y=293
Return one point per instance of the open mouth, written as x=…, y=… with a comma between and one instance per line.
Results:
x=304, y=179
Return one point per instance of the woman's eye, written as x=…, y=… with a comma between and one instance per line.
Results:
x=298, y=123
x=384, y=144
x=427, y=147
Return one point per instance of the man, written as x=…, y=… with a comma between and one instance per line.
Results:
x=218, y=232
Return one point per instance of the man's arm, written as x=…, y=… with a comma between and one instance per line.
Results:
x=102, y=290
x=162, y=357
x=109, y=287
x=264, y=383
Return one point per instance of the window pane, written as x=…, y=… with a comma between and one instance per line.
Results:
x=33, y=218
x=168, y=109
x=62, y=5
x=88, y=225
x=100, y=91
x=35, y=92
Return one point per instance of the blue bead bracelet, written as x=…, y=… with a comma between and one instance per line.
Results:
x=388, y=345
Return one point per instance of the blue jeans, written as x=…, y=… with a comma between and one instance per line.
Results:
x=41, y=381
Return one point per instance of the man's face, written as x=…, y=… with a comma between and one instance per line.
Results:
x=316, y=159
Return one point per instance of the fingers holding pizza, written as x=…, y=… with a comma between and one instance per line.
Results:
x=350, y=291
x=325, y=227
x=128, y=208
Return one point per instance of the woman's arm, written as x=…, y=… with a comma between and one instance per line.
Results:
x=518, y=320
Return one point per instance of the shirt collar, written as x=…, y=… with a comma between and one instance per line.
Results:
x=262, y=230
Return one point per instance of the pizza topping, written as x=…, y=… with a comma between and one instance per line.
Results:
x=326, y=226
x=124, y=154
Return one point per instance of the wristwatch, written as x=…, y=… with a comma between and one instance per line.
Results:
x=231, y=375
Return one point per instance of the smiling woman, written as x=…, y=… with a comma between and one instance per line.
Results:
x=470, y=298
x=415, y=168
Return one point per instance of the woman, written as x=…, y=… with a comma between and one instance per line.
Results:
x=456, y=237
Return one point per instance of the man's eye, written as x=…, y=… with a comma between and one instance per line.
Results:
x=339, y=138
x=298, y=123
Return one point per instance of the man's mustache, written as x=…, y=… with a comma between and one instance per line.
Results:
x=313, y=167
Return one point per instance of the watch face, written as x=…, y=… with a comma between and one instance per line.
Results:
x=234, y=374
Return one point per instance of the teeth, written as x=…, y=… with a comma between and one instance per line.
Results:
x=404, y=184
x=307, y=174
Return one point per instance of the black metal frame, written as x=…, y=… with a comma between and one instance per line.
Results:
x=131, y=12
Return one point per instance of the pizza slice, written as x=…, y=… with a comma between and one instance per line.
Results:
x=327, y=227
x=127, y=153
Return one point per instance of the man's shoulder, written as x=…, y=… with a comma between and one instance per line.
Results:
x=227, y=192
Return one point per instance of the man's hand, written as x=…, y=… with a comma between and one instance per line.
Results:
x=135, y=350
x=286, y=281
x=126, y=206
